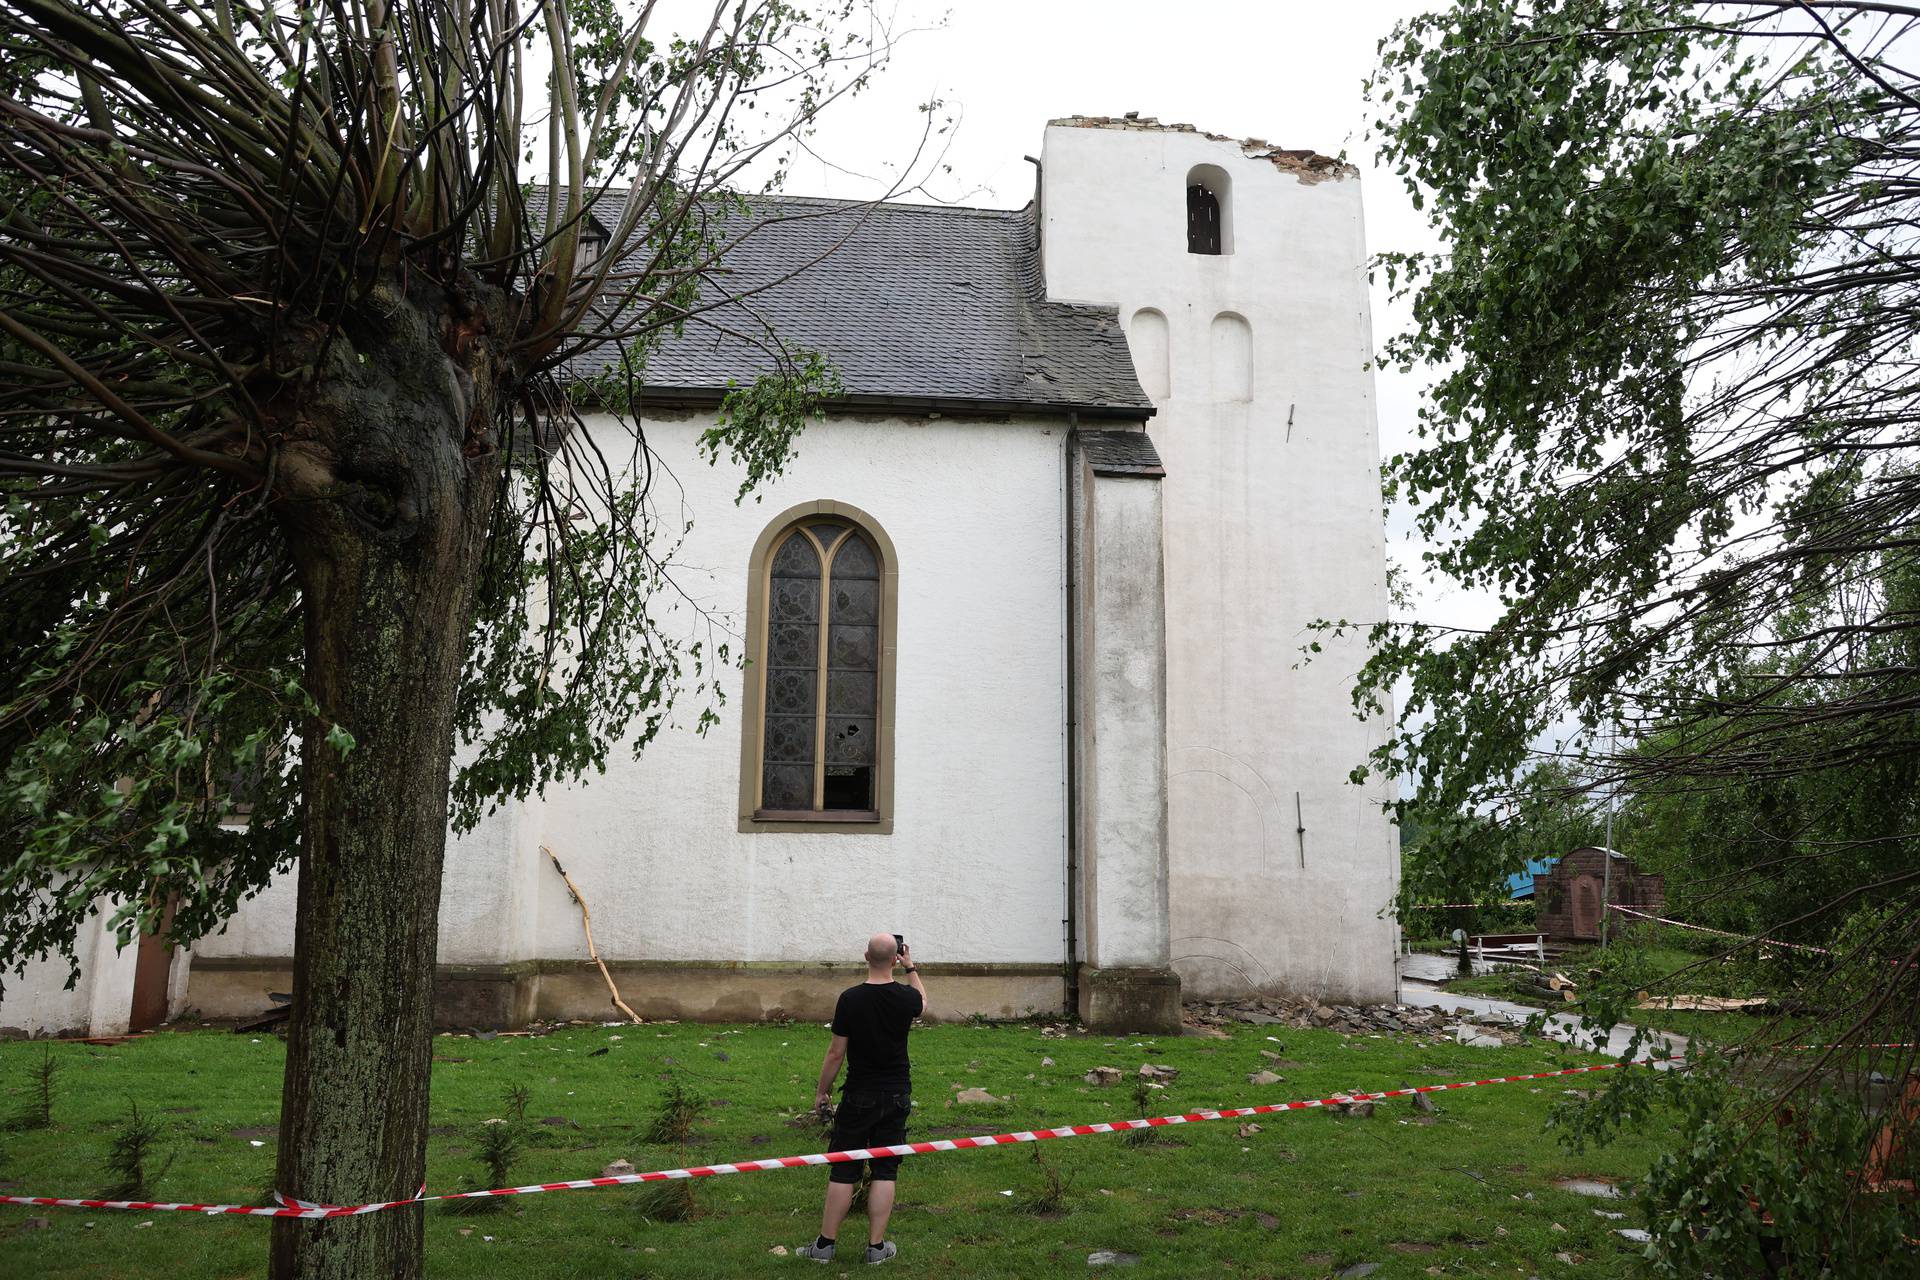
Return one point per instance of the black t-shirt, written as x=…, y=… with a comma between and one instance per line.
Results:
x=875, y=1018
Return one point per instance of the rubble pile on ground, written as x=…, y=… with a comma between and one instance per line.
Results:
x=1369, y=1019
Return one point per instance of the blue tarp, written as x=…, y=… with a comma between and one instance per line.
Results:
x=1520, y=883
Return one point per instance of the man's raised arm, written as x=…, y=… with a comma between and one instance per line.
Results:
x=912, y=971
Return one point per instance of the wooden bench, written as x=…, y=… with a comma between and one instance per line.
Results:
x=1499, y=945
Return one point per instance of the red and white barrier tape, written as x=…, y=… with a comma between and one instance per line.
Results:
x=291, y=1208
x=1700, y=928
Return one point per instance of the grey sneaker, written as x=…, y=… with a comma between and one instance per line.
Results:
x=815, y=1250
x=882, y=1252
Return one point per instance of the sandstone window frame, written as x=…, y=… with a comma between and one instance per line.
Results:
x=753, y=817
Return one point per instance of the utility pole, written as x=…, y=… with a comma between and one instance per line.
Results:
x=1606, y=868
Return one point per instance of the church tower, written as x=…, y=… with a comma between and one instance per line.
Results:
x=1239, y=272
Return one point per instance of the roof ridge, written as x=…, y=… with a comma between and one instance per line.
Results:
x=539, y=194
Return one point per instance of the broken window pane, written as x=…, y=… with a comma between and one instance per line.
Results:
x=849, y=740
x=849, y=788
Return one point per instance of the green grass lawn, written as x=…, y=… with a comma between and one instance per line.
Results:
x=1466, y=1192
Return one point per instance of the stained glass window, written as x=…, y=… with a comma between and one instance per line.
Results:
x=793, y=661
x=821, y=715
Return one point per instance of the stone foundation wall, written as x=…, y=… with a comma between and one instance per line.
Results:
x=512, y=995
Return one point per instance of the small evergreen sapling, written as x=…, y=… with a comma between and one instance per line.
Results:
x=669, y=1201
x=496, y=1146
x=499, y=1142
x=1143, y=1104
x=672, y=1125
x=133, y=1150
x=1049, y=1200
x=37, y=1111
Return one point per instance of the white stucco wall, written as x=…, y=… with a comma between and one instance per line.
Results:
x=100, y=1002
x=973, y=871
x=1272, y=513
x=1123, y=704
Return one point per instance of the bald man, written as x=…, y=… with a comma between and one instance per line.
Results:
x=870, y=1026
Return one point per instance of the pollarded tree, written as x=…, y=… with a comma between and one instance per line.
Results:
x=286, y=308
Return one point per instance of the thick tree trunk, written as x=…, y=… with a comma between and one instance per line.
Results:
x=388, y=548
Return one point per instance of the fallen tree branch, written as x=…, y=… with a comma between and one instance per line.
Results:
x=586, y=921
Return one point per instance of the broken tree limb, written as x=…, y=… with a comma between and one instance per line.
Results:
x=586, y=922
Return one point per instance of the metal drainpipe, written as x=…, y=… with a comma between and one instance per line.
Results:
x=1070, y=546
x=1039, y=212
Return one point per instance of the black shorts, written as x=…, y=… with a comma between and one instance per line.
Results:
x=866, y=1120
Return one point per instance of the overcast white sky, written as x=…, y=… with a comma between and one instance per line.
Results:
x=1284, y=70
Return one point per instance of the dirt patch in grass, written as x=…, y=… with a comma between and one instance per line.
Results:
x=1212, y=1217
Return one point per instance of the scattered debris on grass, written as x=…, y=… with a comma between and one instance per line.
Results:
x=1602, y=1188
x=1373, y=1019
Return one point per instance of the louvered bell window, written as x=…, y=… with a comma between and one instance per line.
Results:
x=1203, y=220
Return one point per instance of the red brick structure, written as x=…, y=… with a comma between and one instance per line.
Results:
x=1567, y=898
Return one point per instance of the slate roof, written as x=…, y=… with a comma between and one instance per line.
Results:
x=915, y=306
x=1120, y=453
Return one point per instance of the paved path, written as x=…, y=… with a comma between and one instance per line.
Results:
x=1436, y=966
x=1560, y=1026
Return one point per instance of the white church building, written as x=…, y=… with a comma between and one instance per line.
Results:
x=1024, y=624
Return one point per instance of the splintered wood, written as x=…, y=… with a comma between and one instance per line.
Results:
x=586, y=921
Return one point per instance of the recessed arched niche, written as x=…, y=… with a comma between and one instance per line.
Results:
x=1147, y=336
x=1209, y=210
x=1231, y=344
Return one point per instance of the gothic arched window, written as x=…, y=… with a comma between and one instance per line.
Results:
x=818, y=738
